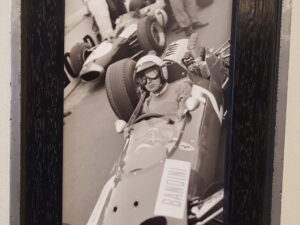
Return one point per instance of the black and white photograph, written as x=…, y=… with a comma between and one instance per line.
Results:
x=146, y=108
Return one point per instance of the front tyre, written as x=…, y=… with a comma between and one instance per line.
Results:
x=151, y=35
x=78, y=55
x=120, y=88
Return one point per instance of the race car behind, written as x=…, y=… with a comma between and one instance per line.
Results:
x=136, y=33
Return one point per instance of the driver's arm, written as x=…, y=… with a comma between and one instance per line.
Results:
x=183, y=92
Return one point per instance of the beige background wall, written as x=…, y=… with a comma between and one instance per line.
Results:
x=4, y=110
x=291, y=179
x=290, y=214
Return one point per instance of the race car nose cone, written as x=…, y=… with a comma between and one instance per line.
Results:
x=192, y=103
x=91, y=72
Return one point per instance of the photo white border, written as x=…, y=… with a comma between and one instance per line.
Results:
x=5, y=96
x=291, y=166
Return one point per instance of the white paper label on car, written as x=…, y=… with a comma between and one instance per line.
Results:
x=172, y=195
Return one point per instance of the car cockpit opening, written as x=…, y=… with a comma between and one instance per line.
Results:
x=158, y=220
x=91, y=76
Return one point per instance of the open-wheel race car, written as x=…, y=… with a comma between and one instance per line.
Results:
x=170, y=170
x=136, y=33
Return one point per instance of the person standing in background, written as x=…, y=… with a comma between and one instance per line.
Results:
x=100, y=11
x=185, y=12
x=105, y=12
x=116, y=9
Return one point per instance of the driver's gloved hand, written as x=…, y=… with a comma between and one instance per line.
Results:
x=126, y=132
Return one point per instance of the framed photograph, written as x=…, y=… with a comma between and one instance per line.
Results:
x=141, y=149
x=148, y=111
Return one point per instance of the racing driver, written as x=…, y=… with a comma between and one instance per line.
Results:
x=164, y=98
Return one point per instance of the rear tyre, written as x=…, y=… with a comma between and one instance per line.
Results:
x=151, y=35
x=78, y=55
x=120, y=88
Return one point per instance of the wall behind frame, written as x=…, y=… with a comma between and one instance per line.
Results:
x=10, y=112
x=291, y=166
x=4, y=111
x=291, y=184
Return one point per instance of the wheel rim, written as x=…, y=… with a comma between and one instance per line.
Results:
x=158, y=34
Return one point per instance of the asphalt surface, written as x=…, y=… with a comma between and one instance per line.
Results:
x=91, y=146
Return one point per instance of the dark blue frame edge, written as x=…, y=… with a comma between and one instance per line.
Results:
x=250, y=151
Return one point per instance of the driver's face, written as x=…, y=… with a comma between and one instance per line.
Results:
x=153, y=81
x=153, y=85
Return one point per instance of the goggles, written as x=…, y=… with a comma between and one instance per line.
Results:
x=150, y=74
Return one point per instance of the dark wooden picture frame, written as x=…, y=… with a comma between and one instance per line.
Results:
x=255, y=51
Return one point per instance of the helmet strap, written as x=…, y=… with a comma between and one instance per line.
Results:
x=162, y=86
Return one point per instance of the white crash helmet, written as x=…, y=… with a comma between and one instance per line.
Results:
x=149, y=61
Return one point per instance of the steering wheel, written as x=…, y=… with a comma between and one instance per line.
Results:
x=148, y=116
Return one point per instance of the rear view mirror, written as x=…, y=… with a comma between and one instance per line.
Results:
x=120, y=125
x=192, y=103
